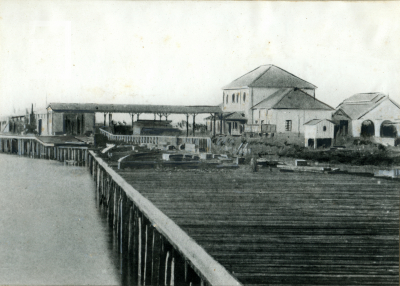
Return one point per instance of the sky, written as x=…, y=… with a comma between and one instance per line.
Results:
x=184, y=52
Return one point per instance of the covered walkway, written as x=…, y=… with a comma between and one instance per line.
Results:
x=159, y=111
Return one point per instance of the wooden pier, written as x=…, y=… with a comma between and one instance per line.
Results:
x=234, y=228
x=36, y=148
x=158, y=251
x=161, y=252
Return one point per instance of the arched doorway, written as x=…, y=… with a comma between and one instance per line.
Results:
x=367, y=129
x=388, y=129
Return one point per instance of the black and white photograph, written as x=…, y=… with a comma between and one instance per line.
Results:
x=199, y=143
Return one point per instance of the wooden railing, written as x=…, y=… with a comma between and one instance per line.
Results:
x=158, y=250
x=203, y=143
x=35, y=148
x=257, y=128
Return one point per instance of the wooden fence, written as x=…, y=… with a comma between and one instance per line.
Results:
x=33, y=147
x=158, y=251
x=203, y=143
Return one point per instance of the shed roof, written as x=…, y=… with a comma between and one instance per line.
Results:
x=132, y=108
x=359, y=104
x=291, y=98
x=269, y=76
x=316, y=121
x=229, y=116
x=235, y=116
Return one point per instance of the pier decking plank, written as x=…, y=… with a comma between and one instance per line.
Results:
x=273, y=228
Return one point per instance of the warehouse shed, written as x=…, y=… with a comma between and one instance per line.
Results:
x=319, y=133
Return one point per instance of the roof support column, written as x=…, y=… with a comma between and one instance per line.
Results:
x=220, y=127
x=194, y=124
x=105, y=119
x=109, y=119
x=77, y=124
x=187, y=125
x=215, y=115
x=94, y=128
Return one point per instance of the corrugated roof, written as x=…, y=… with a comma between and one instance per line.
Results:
x=132, y=108
x=316, y=121
x=269, y=76
x=361, y=103
x=291, y=98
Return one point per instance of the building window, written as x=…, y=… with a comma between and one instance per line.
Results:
x=237, y=98
x=226, y=99
x=233, y=98
x=288, y=125
x=324, y=128
x=244, y=97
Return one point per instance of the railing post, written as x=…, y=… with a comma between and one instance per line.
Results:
x=130, y=230
x=119, y=220
x=168, y=264
x=125, y=225
x=135, y=245
x=179, y=268
x=155, y=257
x=148, y=251
x=191, y=277
x=141, y=252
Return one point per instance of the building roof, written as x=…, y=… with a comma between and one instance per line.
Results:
x=291, y=98
x=359, y=104
x=229, y=116
x=316, y=121
x=132, y=108
x=364, y=97
x=235, y=116
x=269, y=76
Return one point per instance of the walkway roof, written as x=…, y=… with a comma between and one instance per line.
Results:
x=132, y=108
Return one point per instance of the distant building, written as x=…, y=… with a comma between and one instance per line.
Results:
x=368, y=115
x=68, y=118
x=269, y=99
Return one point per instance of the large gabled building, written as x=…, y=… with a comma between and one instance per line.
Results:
x=270, y=99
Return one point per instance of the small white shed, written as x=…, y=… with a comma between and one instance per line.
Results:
x=319, y=133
